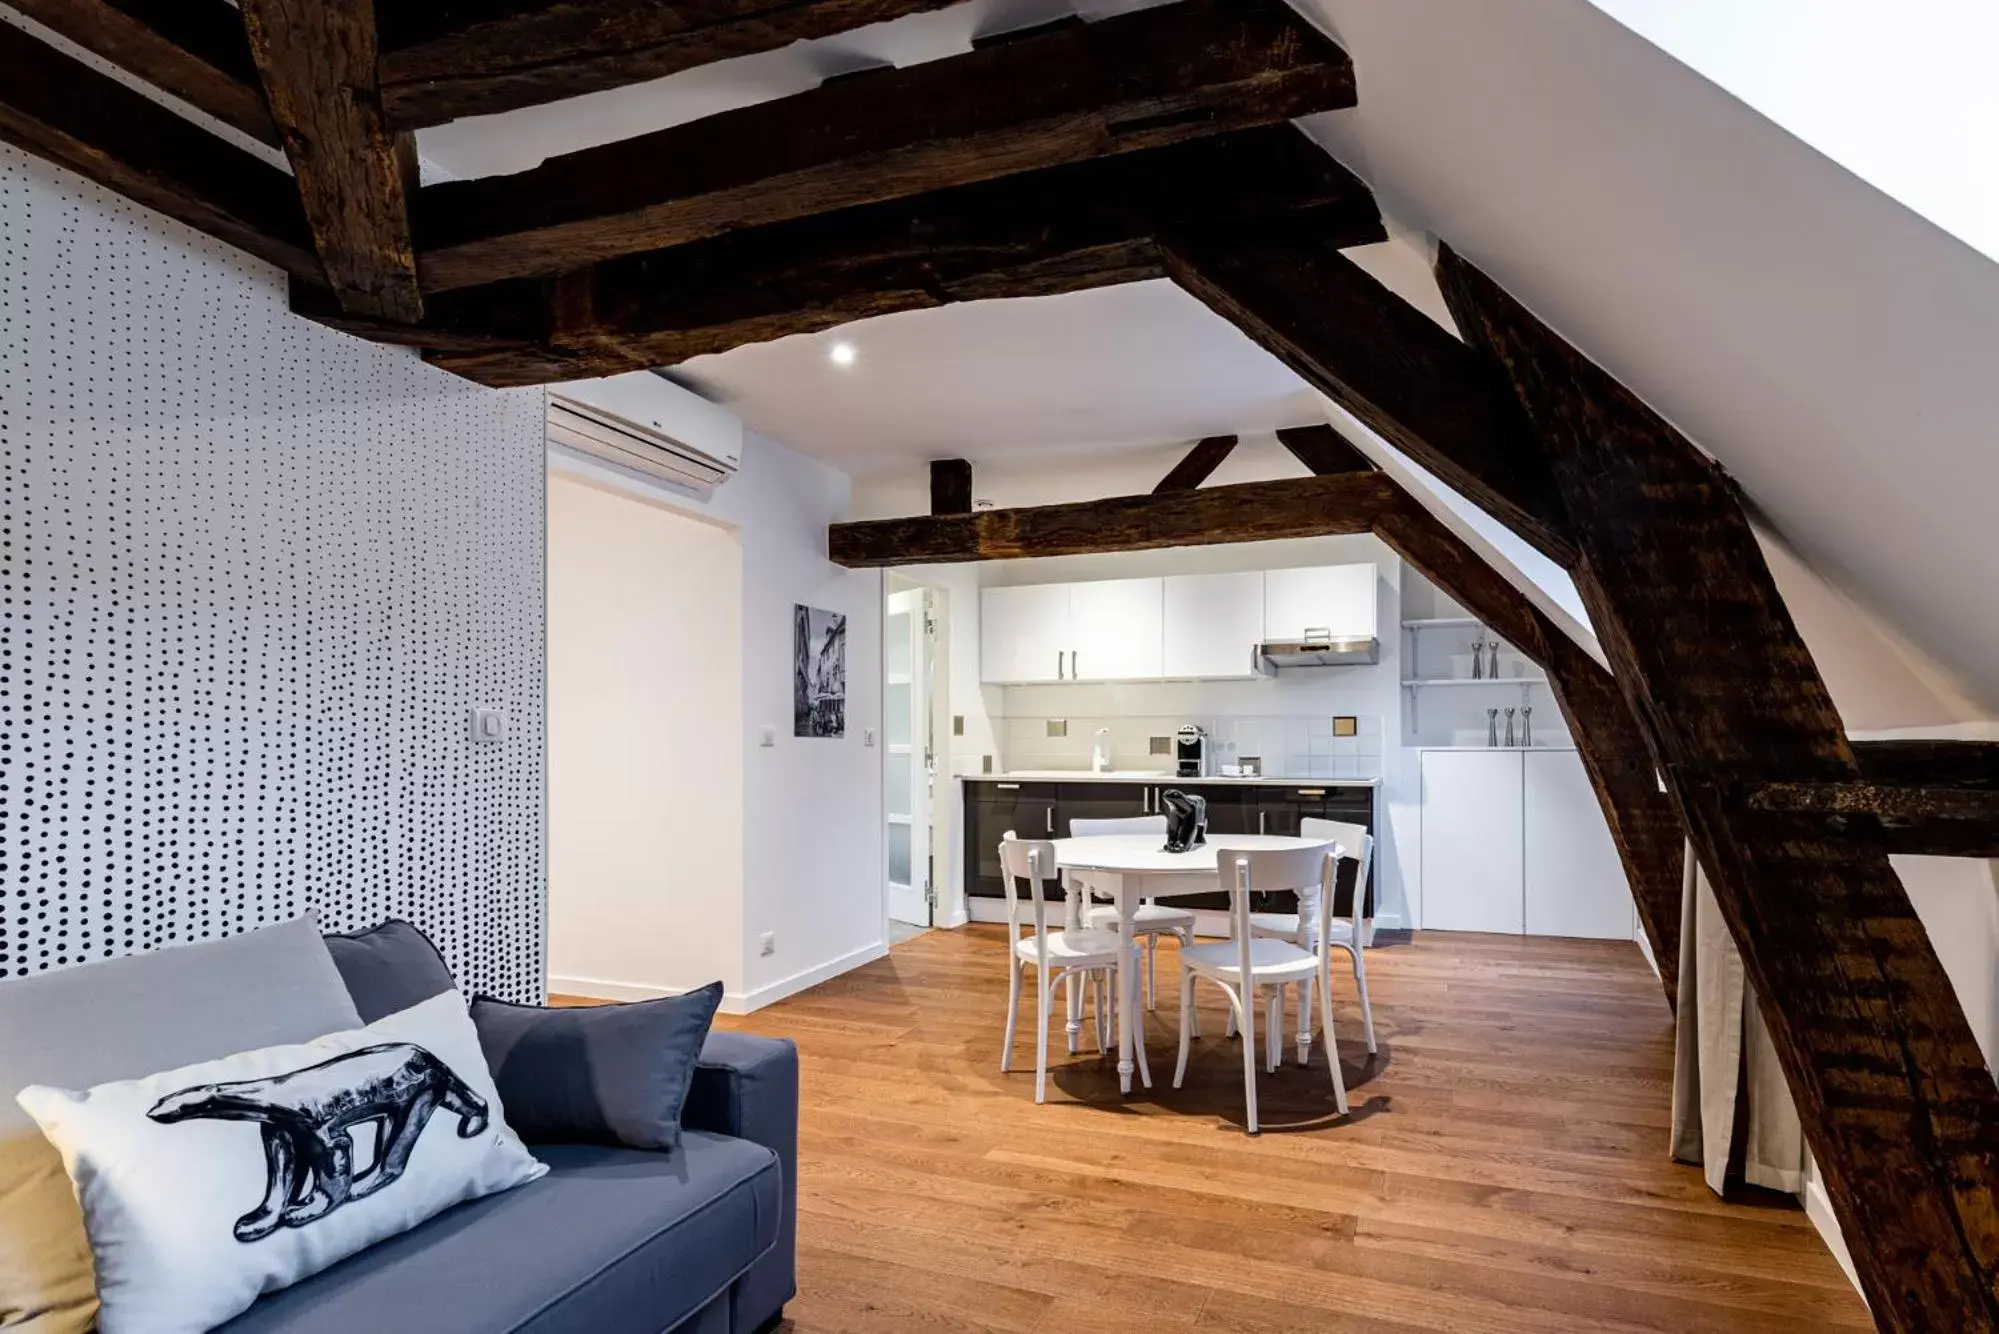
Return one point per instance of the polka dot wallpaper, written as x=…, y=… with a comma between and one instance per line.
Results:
x=253, y=575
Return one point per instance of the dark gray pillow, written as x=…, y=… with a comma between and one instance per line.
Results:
x=605, y=1074
x=389, y=968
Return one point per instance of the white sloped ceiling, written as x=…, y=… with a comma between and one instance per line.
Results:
x=1834, y=350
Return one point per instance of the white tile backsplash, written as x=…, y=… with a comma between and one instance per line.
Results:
x=1290, y=747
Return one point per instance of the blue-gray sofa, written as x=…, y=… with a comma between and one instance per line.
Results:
x=612, y=1241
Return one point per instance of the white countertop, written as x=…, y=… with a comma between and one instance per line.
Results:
x=1160, y=778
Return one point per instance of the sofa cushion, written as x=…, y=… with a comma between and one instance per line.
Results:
x=120, y=1019
x=389, y=968
x=601, y=1074
x=611, y=1241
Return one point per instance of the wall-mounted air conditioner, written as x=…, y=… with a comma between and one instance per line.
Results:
x=646, y=422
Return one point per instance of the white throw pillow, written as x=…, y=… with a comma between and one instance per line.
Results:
x=206, y=1186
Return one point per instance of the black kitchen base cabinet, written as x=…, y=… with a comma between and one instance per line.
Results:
x=1044, y=809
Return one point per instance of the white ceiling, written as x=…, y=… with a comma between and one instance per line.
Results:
x=1831, y=347
x=1081, y=373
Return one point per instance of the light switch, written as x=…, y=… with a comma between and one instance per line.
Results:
x=766, y=735
x=489, y=725
x=867, y=736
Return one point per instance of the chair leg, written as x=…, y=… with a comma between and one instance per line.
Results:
x=1187, y=943
x=1073, y=1007
x=1041, y=1036
x=1138, y=1038
x=1366, y=1007
x=1100, y=997
x=1186, y=1024
x=1151, y=972
x=1305, y=991
x=1012, y=1010
x=1245, y=1010
x=1332, y=1047
x=1273, y=1026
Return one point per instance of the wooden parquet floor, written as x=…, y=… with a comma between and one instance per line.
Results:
x=1504, y=1168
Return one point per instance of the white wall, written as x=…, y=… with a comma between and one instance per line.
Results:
x=812, y=823
x=645, y=761
x=255, y=574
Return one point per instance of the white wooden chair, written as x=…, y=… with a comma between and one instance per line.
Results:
x=1242, y=964
x=1348, y=934
x=1056, y=955
x=1152, y=920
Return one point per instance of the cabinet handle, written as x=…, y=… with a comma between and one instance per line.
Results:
x=1073, y=674
x=1058, y=666
x=1007, y=787
x=1261, y=818
x=1311, y=792
x=1051, y=819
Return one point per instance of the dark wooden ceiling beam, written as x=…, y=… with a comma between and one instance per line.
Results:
x=1141, y=80
x=1250, y=512
x=193, y=49
x=1939, y=763
x=1891, y=1086
x=1379, y=358
x=318, y=62
x=1323, y=450
x=1919, y=820
x=1197, y=465
x=60, y=109
x=950, y=486
x=1061, y=229
x=478, y=57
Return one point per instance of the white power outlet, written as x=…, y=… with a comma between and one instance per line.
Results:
x=767, y=943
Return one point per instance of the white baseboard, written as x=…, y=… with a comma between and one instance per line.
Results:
x=733, y=1002
x=773, y=992
x=1818, y=1208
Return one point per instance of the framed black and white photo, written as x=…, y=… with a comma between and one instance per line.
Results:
x=818, y=672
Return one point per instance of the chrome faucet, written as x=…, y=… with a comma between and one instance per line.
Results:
x=1100, y=752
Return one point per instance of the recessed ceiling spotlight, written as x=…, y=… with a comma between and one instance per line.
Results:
x=842, y=354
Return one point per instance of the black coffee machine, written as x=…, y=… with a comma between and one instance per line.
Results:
x=1190, y=751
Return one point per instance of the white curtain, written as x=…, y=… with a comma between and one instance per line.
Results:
x=1731, y=1107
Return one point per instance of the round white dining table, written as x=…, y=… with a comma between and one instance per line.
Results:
x=1131, y=868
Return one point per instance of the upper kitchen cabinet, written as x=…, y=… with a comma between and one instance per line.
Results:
x=1335, y=601
x=1025, y=634
x=1116, y=630
x=1212, y=624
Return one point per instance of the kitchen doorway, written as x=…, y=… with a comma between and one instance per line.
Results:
x=911, y=744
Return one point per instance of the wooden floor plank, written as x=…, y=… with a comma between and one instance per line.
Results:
x=1505, y=1169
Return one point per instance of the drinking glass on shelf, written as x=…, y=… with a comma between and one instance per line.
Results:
x=1492, y=727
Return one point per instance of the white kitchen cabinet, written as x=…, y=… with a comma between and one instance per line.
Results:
x=1575, y=883
x=1337, y=599
x=1116, y=630
x=1212, y=624
x=1024, y=634
x=1473, y=875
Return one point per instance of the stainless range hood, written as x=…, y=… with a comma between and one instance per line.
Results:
x=1316, y=649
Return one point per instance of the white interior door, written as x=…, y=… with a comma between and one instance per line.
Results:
x=907, y=764
x=1472, y=865
x=1575, y=880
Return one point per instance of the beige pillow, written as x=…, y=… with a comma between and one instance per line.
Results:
x=122, y=1019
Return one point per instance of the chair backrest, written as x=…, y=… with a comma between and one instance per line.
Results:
x=1242, y=870
x=1129, y=824
x=1029, y=861
x=1357, y=846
